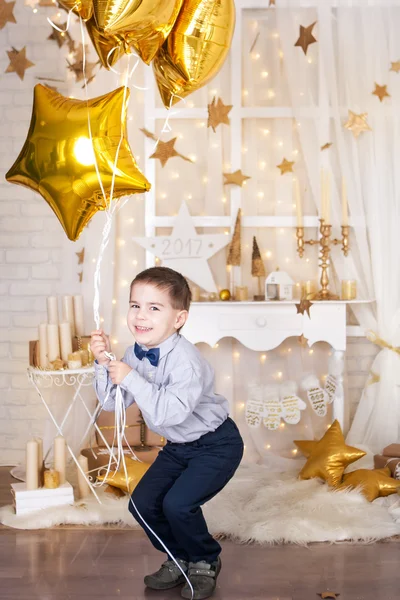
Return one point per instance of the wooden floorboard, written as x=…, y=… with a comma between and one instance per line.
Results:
x=76, y=564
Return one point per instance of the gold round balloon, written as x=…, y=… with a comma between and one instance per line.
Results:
x=59, y=157
x=83, y=8
x=103, y=44
x=144, y=24
x=195, y=49
x=225, y=295
x=135, y=471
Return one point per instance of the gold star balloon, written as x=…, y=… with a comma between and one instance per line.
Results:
x=83, y=8
x=373, y=483
x=135, y=471
x=103, y=44
x=70, y=167
x=330, y=457
x=357, y=123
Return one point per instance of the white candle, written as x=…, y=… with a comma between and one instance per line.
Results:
x=322, y=192
x=328, y=198
x=84, y=488
x=40, y=459
x=298, y=203
x=43, y=360
x=68, y=312
x=32, y=471
x=53, y=342
x=52, y=310
x=345, y=212
x=65, y=340
x=60, y=457
x=78, y=313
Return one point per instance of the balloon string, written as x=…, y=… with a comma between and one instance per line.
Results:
x=166, y=128
x=68, y=21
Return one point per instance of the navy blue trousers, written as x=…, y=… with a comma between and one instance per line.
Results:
x=182, y=478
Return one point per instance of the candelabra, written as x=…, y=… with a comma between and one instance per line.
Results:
x=325, y=243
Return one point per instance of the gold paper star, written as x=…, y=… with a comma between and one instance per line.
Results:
x=218, y=113
x=18, y=62
x=306, y=37
x=326, y=146
x=330, y=457
x=286, y=166
x=148, y=134
x=77, y=69
x=80, y=276
x=271, y=3
x=78, y=52
x=235, y=178
x=395, y=66
x=165, y=151
x=328, y=594
x=304, y=306
x=373, y=483
x=62, y=36
x=357, y=123
x=6, y=13
x=81, y=256
x=303, y=341
x=381, y=92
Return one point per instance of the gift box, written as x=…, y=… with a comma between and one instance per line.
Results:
x=99, y=457
x=393, y=450
x=393, y=463
x=134, y=422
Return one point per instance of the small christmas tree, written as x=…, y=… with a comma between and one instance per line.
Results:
x=257, y=267
x=235, y=249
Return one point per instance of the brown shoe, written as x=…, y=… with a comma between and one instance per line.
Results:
x=203, y=577
x=168, y=575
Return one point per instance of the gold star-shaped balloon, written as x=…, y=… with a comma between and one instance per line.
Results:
x=381, y=92
x=306, y=37
x=64, y=162
x=326, y=146
x=330, y=457
x=395, y=66
x=304, y=305
x=18, y=62
x=303, y=341
x=373, y=483
x=357, y=123
x=235, y=178
x=135, y=471
x=218, y=113
x=81, y=256
x=286, y=166
x=6, y=13
x=165, y=151
x=305, y=446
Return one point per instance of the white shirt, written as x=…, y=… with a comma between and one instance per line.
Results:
x=177, y=397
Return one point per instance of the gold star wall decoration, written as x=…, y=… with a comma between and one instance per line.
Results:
x=18, y=62
x=77, y=69
x=306, y=37
x=253, y=45
x=62, y=37
x=6, y=13
x=357, y=123
x=303, y=341
x=235, y=178
x=218, y=113
x=286, y=166
x=304, y=306
x=395, y=66
x=326, y=146
x=381, y=92
x=81, y=256
x=165, y=151
x=328, y=594
x=271, y=3
x=148, y=134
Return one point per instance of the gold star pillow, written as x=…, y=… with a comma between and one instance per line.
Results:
x=330, y=457
x=305, y=446
x=372, y=482
x=134, y=470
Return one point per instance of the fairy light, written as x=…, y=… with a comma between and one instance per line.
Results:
x=260, y=195
x=115, y=341
x=280, y=54
x=135, y=262
x=124, y=283
x=281, y=230
x=215, y=145
x=193, y=157
x=241, y=405
x=275, y=35
x=279, y=374
x=282, y=425
x=244, y=149
x=200, y=124
x=271, y=93
x=309, y=60
x=163, y=195
x=224, y=199
x=216, y=346
x=294, y=451
x=262, y=164
x=263, y=358
x=205, y=179
x=93, y=260
x=255, y=55
x=102, y=320
x=175, y=175
x=287, y=260
x=245, y=92
x=265, y=131
x=35, y=10
x=311, y=351
x=267, y=446
x=189, y=196
x=268, y=254
x=121, y=242
x=264, y=74
x=236, y=354
x=280, y=144
x=227, y=377
x=131, y=220
x=289, y=349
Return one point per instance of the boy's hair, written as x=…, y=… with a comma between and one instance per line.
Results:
x=169, y=280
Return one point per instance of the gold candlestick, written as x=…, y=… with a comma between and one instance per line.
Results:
x=324, y=242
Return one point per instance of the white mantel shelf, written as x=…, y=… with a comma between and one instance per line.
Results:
x=263, y=326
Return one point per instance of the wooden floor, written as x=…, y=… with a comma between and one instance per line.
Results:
x=76, y=564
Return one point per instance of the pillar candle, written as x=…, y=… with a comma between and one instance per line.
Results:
x=349, y=289
x=43, y=359
x=327, y=215
x=78, y=314
x=68, y=312
x=32, y=471
x=40, y=460
x=51, y=479
x=60, y=461
x=74, y=360
x=65, y=340
x=52, y=310
x=84, y=488
x=345, y=210
x=53, y=342
x=195, y=294
x=299, y=209
x=322, y=192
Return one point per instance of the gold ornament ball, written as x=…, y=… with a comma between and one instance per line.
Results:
x=225, y=295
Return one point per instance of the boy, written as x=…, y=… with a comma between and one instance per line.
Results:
x=173, y=385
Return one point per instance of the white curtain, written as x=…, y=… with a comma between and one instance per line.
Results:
x=356, y=46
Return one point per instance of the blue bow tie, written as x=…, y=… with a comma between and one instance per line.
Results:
x=153, y=354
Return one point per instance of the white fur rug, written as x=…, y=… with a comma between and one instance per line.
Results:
x=256, y=506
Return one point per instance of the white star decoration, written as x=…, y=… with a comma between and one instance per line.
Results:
x=187, y=251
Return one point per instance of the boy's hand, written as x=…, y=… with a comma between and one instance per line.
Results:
x=118, y=370
x=100, y=343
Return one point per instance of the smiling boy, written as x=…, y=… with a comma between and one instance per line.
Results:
x=173, y=385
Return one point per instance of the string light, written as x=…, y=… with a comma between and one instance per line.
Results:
x=271, y=93
x=163, y=195
x=267, y=446
x=131, y=220
x=263, y=357
x=264, y=74
x=268, y=254
x=121, y=242
x=193, y=157
x=265, y=131
x=245, y=92
x=124, y=283
x=279, y=374
x=311, y=351
x=135, y=262
x=224, y=199
x=102, y=320
x=260, y=194
x=282, y=425
x=205, y=179
x=115, y=341
x=294, y=451
x=255, y=56
x=236, y=354
x=216, y=346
